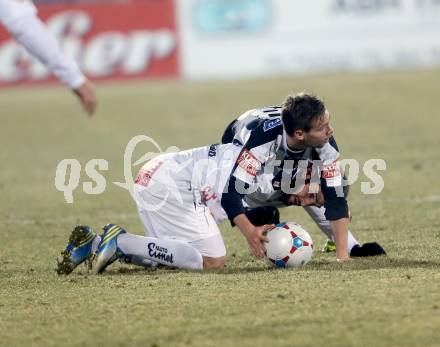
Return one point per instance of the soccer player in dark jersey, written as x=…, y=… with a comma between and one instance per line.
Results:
x=282, y=142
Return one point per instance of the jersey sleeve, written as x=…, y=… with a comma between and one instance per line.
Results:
x=232, y=200
x=336, y=206
x=248, y=166
x=20, y=18
x=13, y=10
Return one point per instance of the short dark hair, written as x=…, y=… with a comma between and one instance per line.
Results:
x=300, y=110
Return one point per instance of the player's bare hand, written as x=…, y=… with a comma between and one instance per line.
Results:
x=87, y=96
x=255, y=238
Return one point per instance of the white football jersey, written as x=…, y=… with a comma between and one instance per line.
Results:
x=205, y=171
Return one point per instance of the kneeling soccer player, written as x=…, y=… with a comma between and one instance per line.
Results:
x=178, y=196
x=242, y=128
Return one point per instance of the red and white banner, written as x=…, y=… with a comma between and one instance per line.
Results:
x=130, y=39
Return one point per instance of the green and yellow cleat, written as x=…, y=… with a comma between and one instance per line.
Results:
x=329, y=247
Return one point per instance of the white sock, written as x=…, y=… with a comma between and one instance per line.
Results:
x=95, y=243
x=133, y=259
x=164, y=251
x=351, y=242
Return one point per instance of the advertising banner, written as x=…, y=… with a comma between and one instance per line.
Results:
x=109, y=40
x=232, y=39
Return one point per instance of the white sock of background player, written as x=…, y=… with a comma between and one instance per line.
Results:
x=317, y=214
x=145, y=250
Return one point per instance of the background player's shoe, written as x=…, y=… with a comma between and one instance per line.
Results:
x=78, y=249
x=368, y=249
x=329, y=247
x=108, y=250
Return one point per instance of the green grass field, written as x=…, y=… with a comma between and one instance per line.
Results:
x=392, y=301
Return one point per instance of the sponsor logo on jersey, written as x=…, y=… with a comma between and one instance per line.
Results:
x=332, y=174
x=249, y=163
x=159, y=253
x=271, y=123
x=330, y=171
x=144, y=176
x=208, y=194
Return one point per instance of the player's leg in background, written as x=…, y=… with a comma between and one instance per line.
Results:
x=317, y=214
x=368, y=249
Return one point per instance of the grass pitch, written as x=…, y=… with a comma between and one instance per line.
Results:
x=391, y=301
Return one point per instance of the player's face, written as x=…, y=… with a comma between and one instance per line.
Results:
x=306, y=198
x=310, y=199
x=320, y=132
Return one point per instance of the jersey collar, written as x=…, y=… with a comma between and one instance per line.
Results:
x=286, y=149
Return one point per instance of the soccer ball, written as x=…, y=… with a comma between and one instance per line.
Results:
x=289, y=245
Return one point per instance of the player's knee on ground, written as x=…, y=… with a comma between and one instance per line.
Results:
x=213, y=263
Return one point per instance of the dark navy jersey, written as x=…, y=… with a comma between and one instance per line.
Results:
x=269, y=171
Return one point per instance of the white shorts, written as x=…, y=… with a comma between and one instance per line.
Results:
x=170, y=208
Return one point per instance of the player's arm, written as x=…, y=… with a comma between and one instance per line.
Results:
x=254, y=235
x=87, y=96
x=258, y=139
x=336, y=206
x=336, y=211
x=340, y=233
x=241, y=181
x=232, y=203
x=31, y=32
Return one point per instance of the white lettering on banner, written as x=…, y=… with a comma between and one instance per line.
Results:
x=11, y=55
x=132, y=53
x=102, y=55
x=105, y=52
